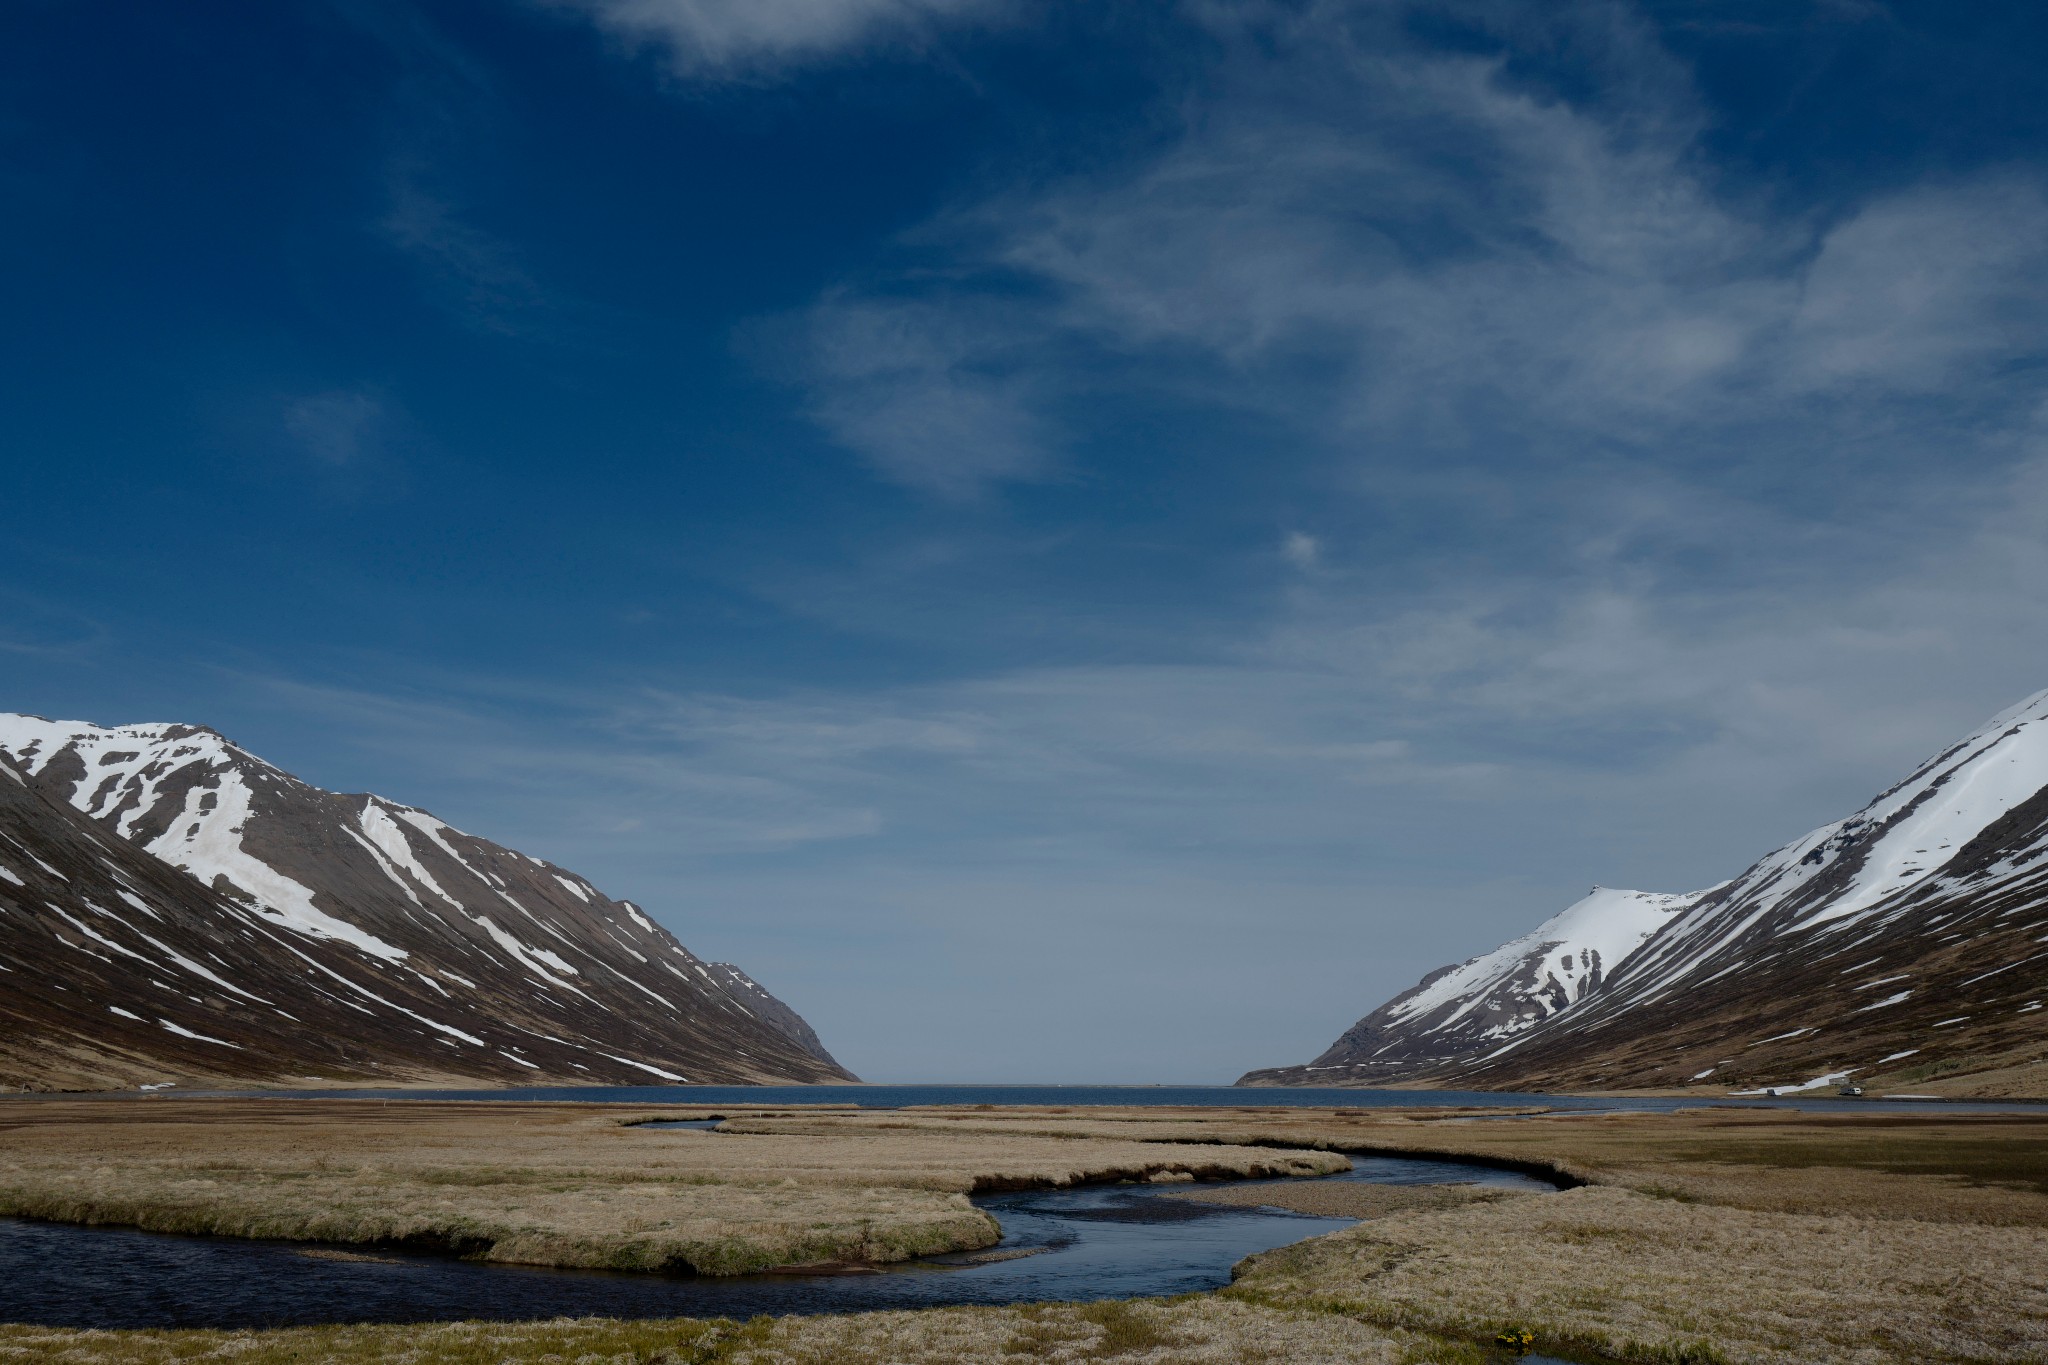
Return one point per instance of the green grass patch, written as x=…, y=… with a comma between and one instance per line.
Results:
x=1981, y=1160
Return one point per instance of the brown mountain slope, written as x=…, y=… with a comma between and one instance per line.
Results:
x=1902, y=948
x=257, y=928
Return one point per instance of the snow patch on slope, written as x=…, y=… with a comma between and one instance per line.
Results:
x=384, y=832
x=209, y=845
x=1574, y=949
x=125, y=769
x=1900, y=842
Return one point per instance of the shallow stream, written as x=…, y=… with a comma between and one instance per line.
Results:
x=1093, y=1242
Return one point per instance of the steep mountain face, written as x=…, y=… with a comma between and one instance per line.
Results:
x=325, y=935
x=1476, y=1005
x=117, y=969
x=1902, y=945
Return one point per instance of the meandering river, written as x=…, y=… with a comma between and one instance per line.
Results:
x=1092, y=1242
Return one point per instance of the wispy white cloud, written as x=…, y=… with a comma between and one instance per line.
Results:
x=726, y=39
x=466, y=741
x=340, y=428
x=934, y=398
x=477, y=276
x=1919, y=289
x=1454, y=251
x=353, y=444
x=443, y=129
x=1482, y=704
x=33, y=626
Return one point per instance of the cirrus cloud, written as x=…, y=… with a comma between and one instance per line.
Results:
x=1381, y=243
x=727, y=39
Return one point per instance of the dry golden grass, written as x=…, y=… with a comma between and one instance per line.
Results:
x=1199, y=1330
x=1632, y=1277
x=452, y=1343
x=538, y=1184
x=1202, y=1330
x=1346, y=1199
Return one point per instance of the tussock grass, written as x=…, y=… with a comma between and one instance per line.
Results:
x=1197, y=1330
x=1627, y=1277
x=1988, y=1159
x=590, y=1341
x=1348, y=1199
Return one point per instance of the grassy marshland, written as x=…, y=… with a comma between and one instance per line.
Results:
x=1932, y=1166
x=1343, y=1199
x=1627, y=1276
x=1200, y=1329
x=558, y=1185
x=1711, y=1236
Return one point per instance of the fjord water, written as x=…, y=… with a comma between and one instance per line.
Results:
x=1094, y=1242
x=1077, y=1096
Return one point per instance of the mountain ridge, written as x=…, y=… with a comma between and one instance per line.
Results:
x=472, y=960
x=1937, y=886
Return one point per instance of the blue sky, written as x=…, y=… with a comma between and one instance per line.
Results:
x=1077, y=542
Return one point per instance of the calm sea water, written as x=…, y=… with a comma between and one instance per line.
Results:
x=903, y=1096
x=1096, y=1242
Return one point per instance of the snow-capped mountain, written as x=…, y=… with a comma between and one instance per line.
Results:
x=1905, y=943
x=190, y=896
x=1476, y=1005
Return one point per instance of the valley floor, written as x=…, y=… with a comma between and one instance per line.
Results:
x=570, y=1185
x=1703, y=1236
